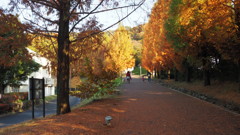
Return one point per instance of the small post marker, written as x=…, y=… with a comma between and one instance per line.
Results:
x=108, y=120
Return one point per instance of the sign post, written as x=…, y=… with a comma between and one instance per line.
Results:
x=37, y=91
x=43, y=96
x=32, y=94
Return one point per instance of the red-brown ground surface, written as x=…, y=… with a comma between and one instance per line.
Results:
x=142, y=109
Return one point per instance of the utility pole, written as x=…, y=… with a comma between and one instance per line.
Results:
x=140, y=70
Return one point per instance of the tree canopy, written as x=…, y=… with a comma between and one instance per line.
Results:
x=61, y=19
x=197, y=33
x=15, y=61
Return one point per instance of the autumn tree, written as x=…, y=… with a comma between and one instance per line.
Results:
x=199, y=33
x=147, y=51
x=63, y=17
x=121, y=55
x=137, y=32
x=87, y=56
x=226, y=38
x=15, y=74
x=15, y=62
x=190, y=26
x=236, y=41
x=105, y=59
x=45, y=47
x=137, y=37
x=157, y=52
x=216, y=26
x=108, y=56
x=202, y=31
x=174, y=35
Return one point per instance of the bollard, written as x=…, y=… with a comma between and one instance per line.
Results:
x=108, y=120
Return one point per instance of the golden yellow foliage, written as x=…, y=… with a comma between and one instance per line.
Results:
x=120, y=56
x=157, y=52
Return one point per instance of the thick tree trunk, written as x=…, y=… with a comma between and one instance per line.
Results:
x=239, y=75
x=175, y=74
x=155, y=73
x=162, y=74
x=237, y=20
x=206, y=73
x=187, y=70
x=2, y=89
x=63, y=105
x=206, y=76
x=187, y=74
x=169, y=74
x=158, y=74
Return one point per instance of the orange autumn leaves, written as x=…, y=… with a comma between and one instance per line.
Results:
x=13, y=40
x=109, y=57
x=101, y=56
x=191, y=30
x=157, y=52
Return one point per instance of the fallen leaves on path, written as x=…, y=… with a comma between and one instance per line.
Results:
x=85, y=120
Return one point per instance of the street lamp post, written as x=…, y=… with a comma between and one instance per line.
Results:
x=140, y=70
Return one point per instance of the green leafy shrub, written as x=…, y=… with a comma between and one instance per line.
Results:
x=96, y=89
x=86, y=90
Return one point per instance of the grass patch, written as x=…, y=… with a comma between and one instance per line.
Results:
x=117, y=82
x=226, y=91
x=136, y=71
x=107, y=91
x=50, y=98
x=87, y=101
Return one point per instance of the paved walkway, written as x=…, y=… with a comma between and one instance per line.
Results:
x=27, y=115
x=143, y=109
x=151, y=109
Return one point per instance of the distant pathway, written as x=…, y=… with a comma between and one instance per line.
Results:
x=27, y=115
x=151, y=109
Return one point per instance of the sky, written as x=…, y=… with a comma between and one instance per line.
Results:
x=140, y=16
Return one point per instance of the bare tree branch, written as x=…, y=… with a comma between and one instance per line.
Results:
x=46, y=3
x=43, y=34
x=56, y=2
x=52, y=43
x=85, y=16
x=44, y=18
x=72, y=12
x=41, y=28
x=95, y=33
x=105, y=10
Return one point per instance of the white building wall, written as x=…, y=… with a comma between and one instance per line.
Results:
x=41, y=73
x=129, y=69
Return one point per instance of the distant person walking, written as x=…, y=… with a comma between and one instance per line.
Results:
x=143, y=79
x=128, y=76
x=149, y=76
